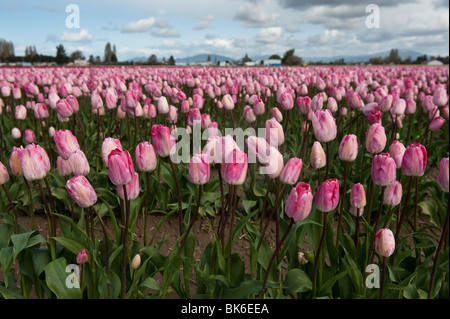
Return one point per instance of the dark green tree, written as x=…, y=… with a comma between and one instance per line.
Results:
x=171, y=61
x=61, y=56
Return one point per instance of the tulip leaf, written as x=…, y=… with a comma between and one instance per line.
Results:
x=56, y=277
x=297, y=281
x=71, y=245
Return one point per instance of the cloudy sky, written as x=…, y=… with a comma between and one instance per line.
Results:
x=321, y=28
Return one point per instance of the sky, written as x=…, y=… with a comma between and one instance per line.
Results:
x=233, y=28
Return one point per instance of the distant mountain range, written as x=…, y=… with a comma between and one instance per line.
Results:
x=403, y=54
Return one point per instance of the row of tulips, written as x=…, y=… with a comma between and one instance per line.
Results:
x=355, y=106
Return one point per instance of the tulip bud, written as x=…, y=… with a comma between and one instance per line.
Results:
x=15, y=133
x=79, y=163
x=414, y=160
x=81, y=191
x=66, y=143
x=393, y=194
x=386, y=103
x=376, y=139
x=132, y=188
x=327, y=196
x=291, y=171
x=443, y=179
x=40, y=111
x=299, y=202
x=399, y=107
x=286, y=101
x=259, y=107
x=34, y=162
x=274, y=163
x=317, y=102
x=358, y=196
x=437, y=123
x=136, y=262
x=29, y=136
x=131, y=98
x=355, y=210
x=197, y=101
x=318, y=158
x=348, y=149
x=4, y=176
x=249, y=114
x=120, y=167
x=411, y=106
x=384, y=169
x=82, y=257
x=324, y=125
x=384, y=242
x=199, y=170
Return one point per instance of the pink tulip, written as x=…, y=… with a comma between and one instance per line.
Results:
x=131, y=98
x=79, y=163
x=96, y=100
x=393, y=194
x=324, y=125
x=259, y=107
x=274, y=163
x=15, y=133
x=193, y=116
x=374, y=117
x=411, y=106
x=17, y=93
x=63, y=167
x=205, y=121
x=384, y=169
x=414, y=160
x=358, y=196
x=317, y=157
x=163, y=105
x=120, y=167
x=332, y=105
x=34, y=162
x=440, y=97
x=327, y=196
x=21, y=112
x=81, y=191
x=445, y=112
x=197, y=101
x=108, y=145
x=132, y=188
x=304, y=104
x=249, y=114
x=234, y=170
x=274, y=132
x=384, y=242
x=348, y=149
x=40, y=111
x=163, y=141
x=299, y=202
x=276, y=113
x=63, y=108
x=228, y=102
x=386, y=103
x=145, y=157
x=398, y=107
x=111, y=98
x=199, y=170
x=82, y=257
x=14, y=161
x=396, y=150
x=437, y=123
x=442, y=178
x=4, y=176
x=66, y=143
x=29, y=136
x=317, y=102
x=291, y=171
x=286, y=101
x=73, y=102
x=376, y=139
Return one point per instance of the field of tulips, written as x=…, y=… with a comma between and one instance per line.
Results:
x=336, y=179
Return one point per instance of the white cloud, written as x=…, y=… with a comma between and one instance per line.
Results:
x=141, y=25
x=202, y=25
x=165, y=33
x=269, y=35
x=252, y=15
x=82, y=36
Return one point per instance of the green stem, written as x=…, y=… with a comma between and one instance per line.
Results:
x=341, y=209
x=316, y=261
x=31, y=207
x=180, y=207
x=375, y=227
x=16, y=226
x=125, y=243
x=383, y=274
